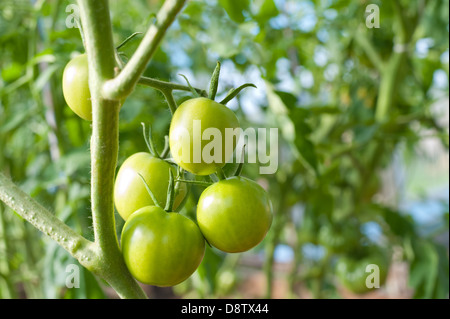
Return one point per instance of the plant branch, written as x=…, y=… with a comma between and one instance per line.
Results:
x=104, y=147
x=390, y=78
x=370, y=51
x=170, y=100
x=122, y=85
x=104, y=141
x=403, y=25
x=163, y=85
x=30, y=210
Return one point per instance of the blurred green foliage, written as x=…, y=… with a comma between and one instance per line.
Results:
x=317, y=70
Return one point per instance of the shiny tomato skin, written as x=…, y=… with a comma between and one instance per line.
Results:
x=75, y=87
x=130, y=193
x=211, y=115
x=234, y=214
x=160, y=248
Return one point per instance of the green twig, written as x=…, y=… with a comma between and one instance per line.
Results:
x=370, y=51
x=170, y=100
x=128, y=39
x=163, y=85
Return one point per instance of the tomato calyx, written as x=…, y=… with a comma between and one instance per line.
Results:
x=214, y=84
x=149, y=141
x=171, y=192
x=234, y=92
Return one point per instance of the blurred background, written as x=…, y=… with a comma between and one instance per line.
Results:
x=363, y=118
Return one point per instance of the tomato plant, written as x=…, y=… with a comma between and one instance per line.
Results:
x=352, y=106
x=161, y=248
x=75, y=86
x=234, y=214
x=187, y=143
x=130, y=192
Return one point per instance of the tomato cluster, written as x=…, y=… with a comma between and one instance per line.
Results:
x=161, y=246
x=164, y=248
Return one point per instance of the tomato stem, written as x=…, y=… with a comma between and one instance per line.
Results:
x=170, y=100
x=127, y=40
x=152, y=195
x=163, y=85
x=241, y=164
x=199, y=183
x=149, y=141
x=166, y=149
x=220, y=174
x=193, y=91
x=170, y=193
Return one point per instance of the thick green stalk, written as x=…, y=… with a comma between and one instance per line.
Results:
x=390, y=73
x=7, y=289
x=370, y=51
x=277, y=227
x=26, y=207
x=103, y=257
x=104, y=147
x=105, y=118
x=388, y=86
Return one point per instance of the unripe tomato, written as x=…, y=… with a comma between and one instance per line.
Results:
x=187, y=142
x=234, y=214
x=130, y=192
x=352, y=271
x=160, y=248
x=75, y=87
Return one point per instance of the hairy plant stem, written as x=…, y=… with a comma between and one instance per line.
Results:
x=391, y=72
x=30, y=210
x=104, y=148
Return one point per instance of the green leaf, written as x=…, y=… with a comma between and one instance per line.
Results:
x=429, y=270
x=266, y=10
x=209, y=268
x=400, y=224
x=294, y=129
x=235, y=9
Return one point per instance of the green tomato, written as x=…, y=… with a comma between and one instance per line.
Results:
x=192, y=148
x=160, y=248
x=234, y=214
x=75, y=87
x=352, y=271
x=130, y=192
